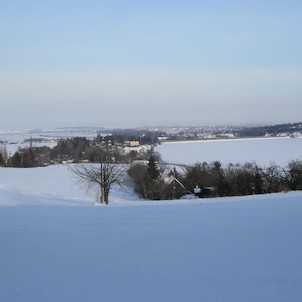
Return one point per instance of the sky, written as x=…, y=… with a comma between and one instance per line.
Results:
x=149, y=63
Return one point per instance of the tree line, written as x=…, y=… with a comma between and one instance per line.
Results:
x=272, y=130
x=215, y=180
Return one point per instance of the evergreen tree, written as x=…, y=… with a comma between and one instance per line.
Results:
x=16, y=160
x=28, y=159
x=152, y=169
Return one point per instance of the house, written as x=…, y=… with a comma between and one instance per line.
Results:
x=167, y=174
x=133, y=143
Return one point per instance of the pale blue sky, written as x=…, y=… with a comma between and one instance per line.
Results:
x=74, y=63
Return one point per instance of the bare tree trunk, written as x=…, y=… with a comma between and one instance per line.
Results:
x=102, y=196
x=106, y=188
x=106, y=197
x=145, y=191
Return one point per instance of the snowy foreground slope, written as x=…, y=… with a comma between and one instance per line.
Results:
x=231, y=249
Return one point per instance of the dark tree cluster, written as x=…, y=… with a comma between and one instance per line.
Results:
x=215, y=180
x=29, y=157
x=272, y=130
x=81, y=149
x=246, y=179
x=2, y=161
x=121, y=136
x=147, y=184
x=70, y=148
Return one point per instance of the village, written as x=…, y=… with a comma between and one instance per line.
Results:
x=152, y=177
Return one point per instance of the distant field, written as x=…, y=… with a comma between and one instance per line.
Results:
x=261, y=150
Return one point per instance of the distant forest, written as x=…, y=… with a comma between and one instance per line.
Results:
x=269, y=130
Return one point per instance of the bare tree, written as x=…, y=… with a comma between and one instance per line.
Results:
x=4, y=152
x=272, y=178
x=100, y=175
x=292, y=175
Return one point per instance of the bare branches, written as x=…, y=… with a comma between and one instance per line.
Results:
x=101, y=175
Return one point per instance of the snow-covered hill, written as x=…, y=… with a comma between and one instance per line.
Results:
x=229, y=249
x=53, y=185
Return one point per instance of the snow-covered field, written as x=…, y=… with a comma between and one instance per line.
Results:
x=19, y=138
x=261, y=150
x=55, y=245
x=52, y=185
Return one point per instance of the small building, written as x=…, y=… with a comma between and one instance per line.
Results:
x=167, y=174
x=134, y=143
